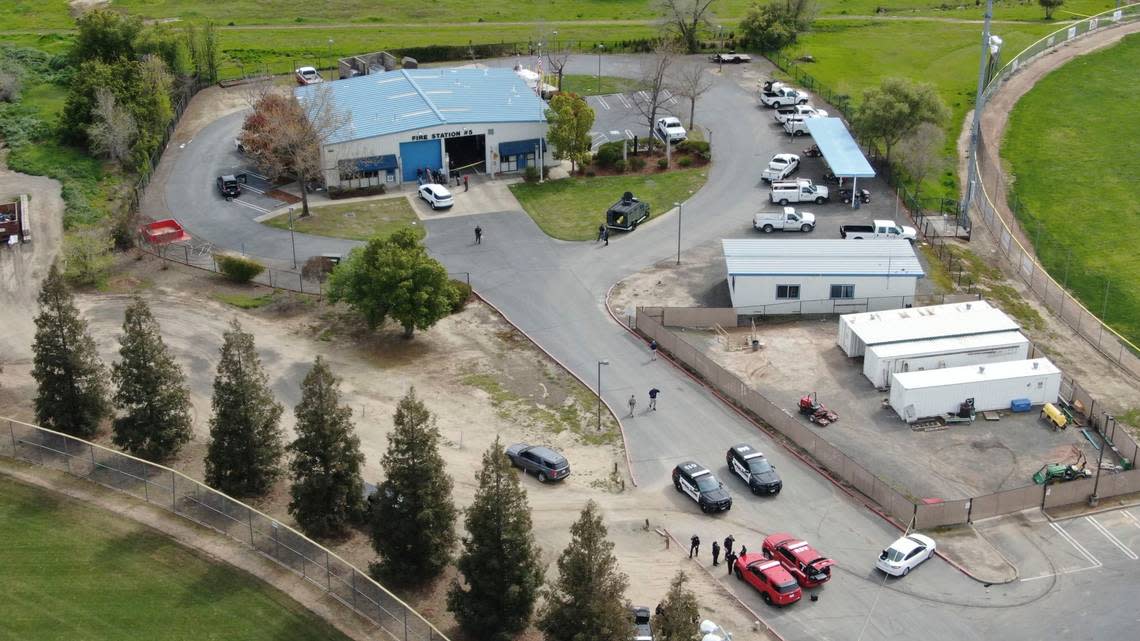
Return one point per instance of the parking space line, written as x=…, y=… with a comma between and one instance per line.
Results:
x=1111, y=537
x=250, y=206
x=629, y=134
x=257, y=175
x=644, y=96
x=670, y=98
x=603, y=102
x=624, y=101
x=253, y=189
x=1130, y=517
x=1076, y=546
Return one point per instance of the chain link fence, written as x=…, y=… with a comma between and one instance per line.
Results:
x=1000, y=211
x=177, y=493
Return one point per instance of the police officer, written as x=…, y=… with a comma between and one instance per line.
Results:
x=694, y=546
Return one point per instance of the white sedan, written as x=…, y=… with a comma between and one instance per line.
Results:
x=905, y=554
x=436, y=195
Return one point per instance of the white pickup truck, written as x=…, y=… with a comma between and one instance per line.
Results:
x=781, y=96
x=780, y=167
x=878, y=229
x=798, y=191
x=803, y=111
x=797, y=126
x=789, y=220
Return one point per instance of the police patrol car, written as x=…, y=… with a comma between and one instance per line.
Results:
x=698, y=483
x=750, y=465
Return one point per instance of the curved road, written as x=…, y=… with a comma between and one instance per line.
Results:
x=555, y=292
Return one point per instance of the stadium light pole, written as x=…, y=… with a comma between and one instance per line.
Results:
x=979, y=104
x=600, y=363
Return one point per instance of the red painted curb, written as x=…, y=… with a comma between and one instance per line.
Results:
x=621, y=428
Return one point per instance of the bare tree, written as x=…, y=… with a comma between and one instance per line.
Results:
x=920, y=153
x=285, y=135
x=113, y=131
x=684, y=20
x=557, y=59
x=654, y=77
x=691, y=80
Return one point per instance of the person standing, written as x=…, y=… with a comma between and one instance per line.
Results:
x=606, y=236
x=653, y=392
x=653, y=349
x=729, y=560
x=478, y=235
x=632, y=404
x=729, y=541
x=716, y=553
x=601, y=231
x=694, y=546
x=466, y=186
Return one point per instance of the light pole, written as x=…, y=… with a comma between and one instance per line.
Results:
x=720, y=45
x=600, y=47
x=292, y=239
x=600, y=363
x=678, y=206
x=975, y=128
x=1094, y=499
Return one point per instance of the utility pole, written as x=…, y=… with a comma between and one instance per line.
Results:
x=678, y=206
x=600, y=363
x=975, y=128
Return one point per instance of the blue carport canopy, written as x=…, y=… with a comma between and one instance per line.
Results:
x=839, y=148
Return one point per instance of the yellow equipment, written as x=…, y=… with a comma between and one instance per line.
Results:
x=1055, y=416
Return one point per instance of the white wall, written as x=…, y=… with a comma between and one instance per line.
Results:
x=757, y=294
x=390, y=144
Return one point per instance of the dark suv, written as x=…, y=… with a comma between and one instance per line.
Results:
x=230, y=185
x=544, y=462
x=698, y=483
x=642, y=630
x=750, y=465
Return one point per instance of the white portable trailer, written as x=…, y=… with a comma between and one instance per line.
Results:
x=936, y=392
x=881, y=361
x=857, y=331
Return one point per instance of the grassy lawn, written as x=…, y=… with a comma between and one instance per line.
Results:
x=588, y=85
x=572, y=208
x=1076, y=170
x=75, y=572
x=355, y=221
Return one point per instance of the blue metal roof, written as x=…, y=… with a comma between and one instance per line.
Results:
x=839, y=148
x=409, y=99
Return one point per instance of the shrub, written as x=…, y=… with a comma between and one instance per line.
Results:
x=608, y=153
x=355, y=192
x=591, y=173
x=662, y=163
x=637, y=163
x=462, y=295
x=685, y=161
x=530, y=174
x=697, y=147
x=239, y=269
x=619, y=166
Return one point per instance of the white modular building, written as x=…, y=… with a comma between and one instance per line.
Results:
x=395, y=125
x=882, y=360
x=857, y=331
x=827, y=276
x=935, y=392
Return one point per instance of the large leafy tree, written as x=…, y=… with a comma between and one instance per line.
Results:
x=327, y=491
x=150, y=390
x=776, y=24
x=71, y=393
x=394, y=278
x=678, y=621
x=685, y=20
x=502, y=570
x=588, y=599
x=570, y=121
x=1050, y=6
x=244, y=457
x=105, y=35
x=895, y=109
x=413, y=516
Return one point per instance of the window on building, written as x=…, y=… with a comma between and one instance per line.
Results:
x=786, y=292
x=517, y=162
x=843, y=291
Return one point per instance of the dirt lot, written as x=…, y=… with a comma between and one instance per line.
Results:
x=477, y=374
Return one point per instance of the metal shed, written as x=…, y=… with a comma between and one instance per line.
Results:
x=857, y=331
x=916, y=395
x=881, y=361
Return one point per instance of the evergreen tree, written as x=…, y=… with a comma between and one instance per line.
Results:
x=678, y=622
x=588, y=600
x=328, y=492
x=500, y=561
x=150, y=390
x=413, y=517
x=71, y=393
x=244, y=457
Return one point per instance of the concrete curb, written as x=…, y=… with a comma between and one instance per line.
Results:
x=621, y=428
x=756, y=616
x=1016, y=571
x=779, y=439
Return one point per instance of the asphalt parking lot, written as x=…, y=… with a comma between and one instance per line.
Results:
x=258, y=194
x=616, y=117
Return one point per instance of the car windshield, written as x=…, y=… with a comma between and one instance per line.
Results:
x=784, y=588
x=760, y=465
x=892, y=554
x=707, y=483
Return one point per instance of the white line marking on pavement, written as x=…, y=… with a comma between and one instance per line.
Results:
x=253, y=189
x=1132, y=518
x=257, y=175
x=1112, y=538
x=629, y=134
x=602, y=100
x=644, y=96
x=1078, y=547
x=250, y=206
x=624, y=101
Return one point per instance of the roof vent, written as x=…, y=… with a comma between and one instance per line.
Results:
x=969, y=306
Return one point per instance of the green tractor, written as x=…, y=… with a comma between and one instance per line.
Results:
x=1057, y=472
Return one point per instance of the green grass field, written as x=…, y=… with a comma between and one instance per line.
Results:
x=572, y=208
x=74, y=572
x=1076, y=171
x=590, y=86
x=357, y=221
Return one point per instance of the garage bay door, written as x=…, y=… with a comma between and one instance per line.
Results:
x=418, y=155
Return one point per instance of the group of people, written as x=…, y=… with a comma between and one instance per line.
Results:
x=730, y=556
x=428, y=175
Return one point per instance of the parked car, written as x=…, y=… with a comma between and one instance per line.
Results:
x=803, y=111
x=905, y=554
x=627, y=213
x=878, y=229
x=787, y=220
x=230, y=185
x=780, y=167
x=544, y=462
x=642, y=630
x=775, y=584
x=809, y=567
x=671, y=129
x=798, y=191
x=698, y=483
x=776, y=94
x=436, y=195
x=730, y=58
x=752, y=466
x=307, y=76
